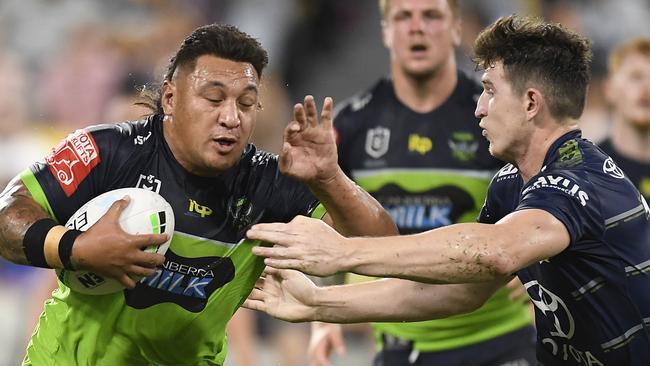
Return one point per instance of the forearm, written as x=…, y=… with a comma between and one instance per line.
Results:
x=353, y=211
x=394, y=300
x=454, y=254
x=18, y=211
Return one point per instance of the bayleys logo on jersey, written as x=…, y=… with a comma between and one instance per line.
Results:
x=72, y=160
x=560, y=183
x=377, y=141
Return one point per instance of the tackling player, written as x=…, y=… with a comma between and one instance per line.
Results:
x=561, y=215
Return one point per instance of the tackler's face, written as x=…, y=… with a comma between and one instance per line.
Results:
x=210, y=113
x=503, y=115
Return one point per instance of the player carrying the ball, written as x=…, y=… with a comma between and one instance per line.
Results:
x=194, y=151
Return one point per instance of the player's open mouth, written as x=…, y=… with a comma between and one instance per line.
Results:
x=225, y=144
x=418, y=49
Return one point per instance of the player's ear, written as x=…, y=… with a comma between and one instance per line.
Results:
x=533, y=102
x=168, y=97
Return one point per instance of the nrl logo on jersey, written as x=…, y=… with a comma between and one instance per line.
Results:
x=377, y=141
x=149, y=182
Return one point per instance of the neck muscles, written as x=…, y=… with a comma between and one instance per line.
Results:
x=426, y=93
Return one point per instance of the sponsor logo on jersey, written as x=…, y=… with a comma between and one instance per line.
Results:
x=188, y=282
x=148, y=182
x=73, y=159
x=203, y=211
x=377, y=141
x=239, y=211
x=561, y=325
x=554, y=308
x=560, y=183
x=463, y=145
x=509, y=171
x=610, y=168
x=140, y=140
x=569, y=154
x=413, y=213
x=420, y=144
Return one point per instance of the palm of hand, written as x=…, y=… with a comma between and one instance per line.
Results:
x=309, y=149
x=288, y=294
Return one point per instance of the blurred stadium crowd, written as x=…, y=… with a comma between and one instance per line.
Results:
x=65, y=64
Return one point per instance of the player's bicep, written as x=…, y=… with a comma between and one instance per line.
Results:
x=535, y=235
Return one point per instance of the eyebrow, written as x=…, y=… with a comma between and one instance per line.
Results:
x=487, y=82
x=219, y=84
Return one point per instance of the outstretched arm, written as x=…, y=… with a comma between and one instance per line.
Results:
x=291, y=296
x=309, y=154
x=458, y=253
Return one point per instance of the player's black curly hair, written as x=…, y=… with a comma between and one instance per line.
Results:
x=541, y=55
x=221, y=40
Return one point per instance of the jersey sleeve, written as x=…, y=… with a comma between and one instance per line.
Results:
x=567, y=198
x=79, y=168
x=499, y=200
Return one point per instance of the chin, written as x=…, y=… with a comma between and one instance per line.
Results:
x=641, y=123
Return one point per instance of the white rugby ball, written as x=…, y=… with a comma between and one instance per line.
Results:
x=147, y=213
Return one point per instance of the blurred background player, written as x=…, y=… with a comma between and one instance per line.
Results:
x=628, y=93
x=413, y=142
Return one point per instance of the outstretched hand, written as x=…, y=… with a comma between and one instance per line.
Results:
x=308, y=245
x=108, y=250
x=283, y=294
x=309, y=150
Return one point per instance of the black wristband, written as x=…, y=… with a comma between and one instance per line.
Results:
x=65, y=248
x=34, y=242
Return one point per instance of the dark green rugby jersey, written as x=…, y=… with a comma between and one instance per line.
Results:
x=428, y=170
x=178, y=315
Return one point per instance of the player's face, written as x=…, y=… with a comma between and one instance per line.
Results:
x=213, y=109
x=420, y=35
x=503, y=117
x=628, y=90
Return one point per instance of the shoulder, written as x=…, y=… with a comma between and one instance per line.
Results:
x=138, y=132
x=578, y=171
x=469, y=89
x=507, y=179
x=364, y=101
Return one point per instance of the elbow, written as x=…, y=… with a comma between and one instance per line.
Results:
x=501, y=265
